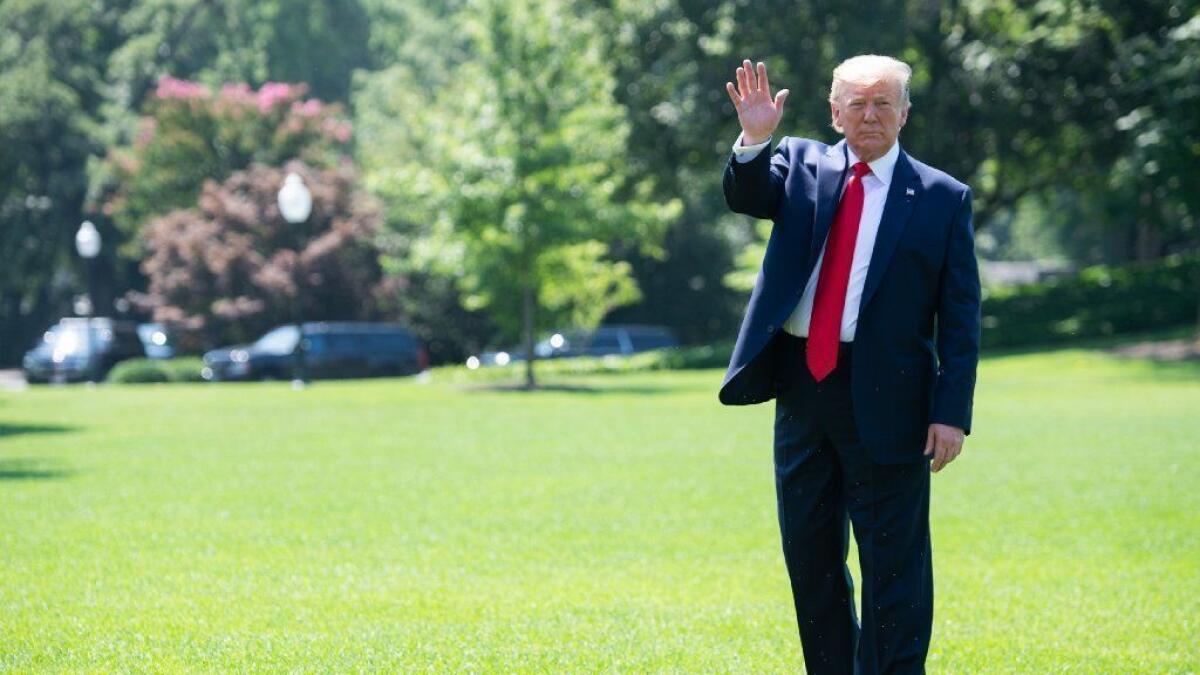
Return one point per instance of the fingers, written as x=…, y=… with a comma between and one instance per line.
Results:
x=733, y=96
x=754, y=89
x=939, y=457
x=946, y=450
x=953, y=454
x=751, y=79
x=929, y=438
x=743, y=80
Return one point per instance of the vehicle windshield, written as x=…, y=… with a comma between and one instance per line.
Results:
x=72, y=338
x=280, y=341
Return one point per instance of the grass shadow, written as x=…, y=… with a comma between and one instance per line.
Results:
x=31, y=469
x=9, y=429
x=28, y=468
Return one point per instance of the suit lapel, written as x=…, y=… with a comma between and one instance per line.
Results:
x=902, y=197
x=831, y=168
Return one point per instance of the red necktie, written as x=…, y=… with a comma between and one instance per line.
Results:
x=825, y=326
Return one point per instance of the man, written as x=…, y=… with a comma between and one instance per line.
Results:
x=870, y=269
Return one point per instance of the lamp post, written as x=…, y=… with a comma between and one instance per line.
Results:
x=87, y=244
x=295, y=204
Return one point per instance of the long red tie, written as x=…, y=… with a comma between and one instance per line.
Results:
x=825, y=326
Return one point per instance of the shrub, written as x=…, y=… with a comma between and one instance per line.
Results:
x=1100, y=301
x=142, y=371
x=138, y=371
x=679, y=358
x=184, y=369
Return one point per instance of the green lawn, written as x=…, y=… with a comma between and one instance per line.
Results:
x=392, y=525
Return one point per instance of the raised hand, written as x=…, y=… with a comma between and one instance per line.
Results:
x=758, y=113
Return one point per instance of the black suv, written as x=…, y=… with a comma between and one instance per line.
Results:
x=613, y=339
x=77, y=349
x=331, y=350
x=608, y=340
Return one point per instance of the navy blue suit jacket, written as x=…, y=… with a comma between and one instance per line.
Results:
x=916, y=344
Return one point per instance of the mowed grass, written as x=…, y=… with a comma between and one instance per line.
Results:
x=629, y=526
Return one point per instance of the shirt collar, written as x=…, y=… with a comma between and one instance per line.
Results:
x=881, y=168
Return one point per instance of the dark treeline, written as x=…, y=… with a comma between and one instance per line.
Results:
x=1074, y=123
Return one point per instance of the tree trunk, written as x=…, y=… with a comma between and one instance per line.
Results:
x=530, y=306
x=1149, y=242
x=1197, y=336
x=12, y=339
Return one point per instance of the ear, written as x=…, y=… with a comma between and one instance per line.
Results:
x=835, y=115
x=904, y=115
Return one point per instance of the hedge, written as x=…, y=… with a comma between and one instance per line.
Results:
x=1097, y=302
x=140, y=371
x=679, y=358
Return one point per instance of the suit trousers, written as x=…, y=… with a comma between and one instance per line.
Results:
x=825, y=484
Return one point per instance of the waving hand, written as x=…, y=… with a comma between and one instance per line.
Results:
x=758, y=113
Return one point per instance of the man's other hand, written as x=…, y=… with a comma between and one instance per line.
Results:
x=758, y=113
x=945, y=443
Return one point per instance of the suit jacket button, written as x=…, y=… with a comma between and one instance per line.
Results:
x=770, y=329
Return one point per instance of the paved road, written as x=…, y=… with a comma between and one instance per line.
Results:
x=12, y=380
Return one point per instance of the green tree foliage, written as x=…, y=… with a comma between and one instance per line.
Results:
x=319, y=42
x=511, y=174
x=1155, y=177
x=1079, y=110
x=51, y=72
x=403, y=36
x=73, y=77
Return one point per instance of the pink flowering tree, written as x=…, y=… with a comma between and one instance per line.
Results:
x=191, y=134
x=194, y=194
x=230, y=268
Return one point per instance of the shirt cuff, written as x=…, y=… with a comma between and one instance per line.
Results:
x=745, y=153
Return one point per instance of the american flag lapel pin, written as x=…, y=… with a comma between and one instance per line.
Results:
x=909, y=192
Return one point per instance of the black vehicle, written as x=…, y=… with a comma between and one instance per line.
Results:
x=78, y=349
x=610, y=340
x=616, y=339
x=331, y=350
x=156, y=340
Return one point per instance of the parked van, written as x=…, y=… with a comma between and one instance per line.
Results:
x=331, y=350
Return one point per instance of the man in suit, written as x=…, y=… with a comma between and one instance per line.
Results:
x=864, y=327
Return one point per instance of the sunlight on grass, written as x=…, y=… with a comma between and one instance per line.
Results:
x=626, y=525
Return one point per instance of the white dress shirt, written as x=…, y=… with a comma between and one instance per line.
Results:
x=875, y=189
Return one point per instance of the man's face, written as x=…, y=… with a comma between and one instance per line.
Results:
x=870, y=116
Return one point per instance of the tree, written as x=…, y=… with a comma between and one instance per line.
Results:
x=319, y=42
x=192, y=134
x=232, y=267
x=51, y=85
x=1156, y=173
x=513, y=176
